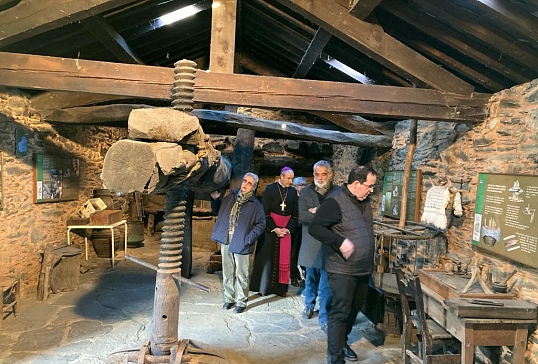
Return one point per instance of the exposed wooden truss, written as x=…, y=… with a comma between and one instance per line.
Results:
x=49, y=73
x=33, y=17
x=375, y=43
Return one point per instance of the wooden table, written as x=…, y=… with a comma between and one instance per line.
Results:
x=479, y=325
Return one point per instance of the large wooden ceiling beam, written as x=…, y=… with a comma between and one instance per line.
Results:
x=50, y=73
x=375, y=43
x=351, y=98
x=29, y=18
x=110, y=38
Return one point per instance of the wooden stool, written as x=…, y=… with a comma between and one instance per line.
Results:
x=11, y=293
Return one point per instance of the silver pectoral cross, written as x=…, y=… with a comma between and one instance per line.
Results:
x=283, y=205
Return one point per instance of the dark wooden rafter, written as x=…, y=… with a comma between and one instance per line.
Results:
x=378, y=45
x=466, y=22
x=49, y=73
x=6, y=4
x=450, y=38
x=110, y=38
x=319, y=41
x=359, y=8
x=504, y=12
x=29, y=18
x=363, y=8
x=457, y=66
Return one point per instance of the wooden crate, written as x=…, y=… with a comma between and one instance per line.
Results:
x=106, y=217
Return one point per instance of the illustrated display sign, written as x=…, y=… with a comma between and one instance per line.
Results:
x=504, y=220
x=391, y=201
x=55, y=178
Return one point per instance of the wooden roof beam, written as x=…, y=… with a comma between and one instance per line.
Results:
x=359, y=8
x=450, y=38
x=319, y=41
x=110, y=38
x=51, y=73
x=505, y=12
x=29, y=18
x=375, y=43
x=468, y=24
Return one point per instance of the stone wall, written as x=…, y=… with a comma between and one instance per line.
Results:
x=26, y=226
x=505, y=143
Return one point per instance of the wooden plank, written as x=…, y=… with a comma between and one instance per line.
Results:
x=92, y=114
x=510, y=309
x=378, y=45
x=50, y=73
x=48, y=101
x=292, y=129
x=29, y=18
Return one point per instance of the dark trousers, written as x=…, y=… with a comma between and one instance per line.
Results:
x=347, y=296
x=295, y=247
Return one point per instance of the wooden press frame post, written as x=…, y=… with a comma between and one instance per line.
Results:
x=407, y=170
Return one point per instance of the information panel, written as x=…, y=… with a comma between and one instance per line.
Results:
x=504, y=220
x=55, y=178
x=391, y=202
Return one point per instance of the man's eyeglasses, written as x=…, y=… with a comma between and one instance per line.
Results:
x=370, y=187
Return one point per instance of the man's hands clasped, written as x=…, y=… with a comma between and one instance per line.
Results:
x=281, y=232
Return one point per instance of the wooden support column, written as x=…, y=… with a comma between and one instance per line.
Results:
x=407, y=170
x=222, y=59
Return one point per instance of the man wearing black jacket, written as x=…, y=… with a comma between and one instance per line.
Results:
x=344, y=224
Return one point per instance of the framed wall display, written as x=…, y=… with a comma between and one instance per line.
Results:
x=505, y=221
x=56, y=178
x=391, y=201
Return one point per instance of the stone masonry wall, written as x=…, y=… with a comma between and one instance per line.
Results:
x=505, y=143
x=26, y=226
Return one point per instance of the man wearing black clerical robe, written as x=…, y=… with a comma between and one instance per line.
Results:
x=271, y=267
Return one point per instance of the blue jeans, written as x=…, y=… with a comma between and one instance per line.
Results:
x=316, y=281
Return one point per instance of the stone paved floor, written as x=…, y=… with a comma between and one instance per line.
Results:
x=111, y=314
